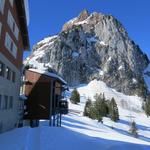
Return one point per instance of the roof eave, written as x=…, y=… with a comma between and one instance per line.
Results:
x=23, y=23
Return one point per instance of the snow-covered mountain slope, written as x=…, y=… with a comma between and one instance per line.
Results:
x=132, y=103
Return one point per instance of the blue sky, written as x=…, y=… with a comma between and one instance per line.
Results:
x=48, y=16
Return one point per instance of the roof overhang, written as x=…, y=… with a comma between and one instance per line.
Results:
x=49, y=74
x=23, y=23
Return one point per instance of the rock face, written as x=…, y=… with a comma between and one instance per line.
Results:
x=94, y=46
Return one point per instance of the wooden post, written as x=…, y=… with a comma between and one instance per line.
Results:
x=60, y=119
x=51, y=103
x=54, y=101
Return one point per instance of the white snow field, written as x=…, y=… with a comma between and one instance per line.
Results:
x=81, y=133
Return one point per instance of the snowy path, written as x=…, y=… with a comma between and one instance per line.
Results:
x=76, y=133
x=33, y=139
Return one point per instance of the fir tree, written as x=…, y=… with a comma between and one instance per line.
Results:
x=92, y=112
x=113, y=110
x=133, y=129
x=88, y=104
x=75, y=97
x=100, y=107
x=147, y=106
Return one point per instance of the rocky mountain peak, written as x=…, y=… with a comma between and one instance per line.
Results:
x=83, y=15
x=94, y=46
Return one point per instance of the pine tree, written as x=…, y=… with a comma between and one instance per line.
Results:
x=147, y=106
x=75, y=97
x=133, y=129
x=113, y=110
x=100, y=106
x=88, y=104
x=92, y=112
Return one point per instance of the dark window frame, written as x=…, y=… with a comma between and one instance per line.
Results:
x=2, y=69
x=0, y=101
x=13, y=76
x=10, y=104
x=8, y=73
x=5, y=102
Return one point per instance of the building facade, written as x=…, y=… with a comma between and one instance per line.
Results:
x=13, y=41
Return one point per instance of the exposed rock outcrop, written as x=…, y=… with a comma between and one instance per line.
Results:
x=94, y=46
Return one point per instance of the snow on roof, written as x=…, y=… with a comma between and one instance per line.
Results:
x=44, y=72
x=26, y=3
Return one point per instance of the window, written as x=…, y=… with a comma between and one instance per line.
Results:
x=8, y=41
x=2, y=3
x=14, y=50
x=16, y=32
x=0, y=28
x=10, y=45
x=2, y=69
x=13, y=76
x=5, y=106
x=0, y=101
x=12, y=24
x=10, y=102
x=8, y=73
x=1, y=126
x=11, y=2
x=10, y=20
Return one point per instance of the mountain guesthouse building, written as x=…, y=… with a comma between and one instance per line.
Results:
x=44, y=90
x=13, y=41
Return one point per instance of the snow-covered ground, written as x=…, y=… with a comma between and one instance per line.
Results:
x=82, y=133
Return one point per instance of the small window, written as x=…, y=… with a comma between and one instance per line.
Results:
x=14, y=50
x=1, y=126
x=13, y=76
x=0, y=101
x=2, y=69
x=10, y=45
x=16, y=32
x=8, y=73
x=10, y=20
x=10, y=102
x=2, y=4
x=5, y=106
x=8, y=41
x=12, y=24
x=0, y=28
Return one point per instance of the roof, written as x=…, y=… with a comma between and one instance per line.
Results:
x=22, y=16
x=26, y=3
x=44, y=72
